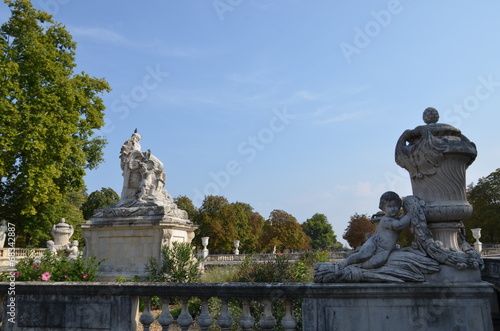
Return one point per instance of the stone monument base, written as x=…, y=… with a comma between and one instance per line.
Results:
x=126, y=244
x=394, y=307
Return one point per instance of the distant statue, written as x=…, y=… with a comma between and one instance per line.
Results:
x=143, y=175
x=72, y=252
x=51, y=247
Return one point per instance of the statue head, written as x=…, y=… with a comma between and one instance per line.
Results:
x=388, y=197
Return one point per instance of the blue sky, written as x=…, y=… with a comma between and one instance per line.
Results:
x=292, y=105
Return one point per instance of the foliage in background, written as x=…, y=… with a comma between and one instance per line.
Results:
x=283, y=232
x=485, y=199
x=320, y=233
x=178, y=264
x=356, y=230
x=47, y=120
x=225, y=222
x=98, y=199
x=184, y=203
x=54, y=268
x=277, y=269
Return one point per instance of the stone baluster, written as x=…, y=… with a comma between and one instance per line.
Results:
x=165, y=318
x=204, y=320
x=267, y=321
x=225, y=320
x=246, y=320
x=289, y=322
x=146, y=317
x=185, y=319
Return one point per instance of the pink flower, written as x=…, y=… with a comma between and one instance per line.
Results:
x=15, y=274
x=65, y=276
x=85, y=276
x=46, y=276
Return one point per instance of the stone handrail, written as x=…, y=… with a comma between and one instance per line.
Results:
x=244, y=292
x=114, y=306
x=20, y=252
x=264, y=257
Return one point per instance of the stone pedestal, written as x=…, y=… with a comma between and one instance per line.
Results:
x=128, y=233
x=127, y=243
x=396, y=307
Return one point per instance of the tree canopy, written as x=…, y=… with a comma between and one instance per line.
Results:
x=47, y=119
x=356, y=230
x=283, y=231
x=320, y=232
x=485, y=200
x=97, y=199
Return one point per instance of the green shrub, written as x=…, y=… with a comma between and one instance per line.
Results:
x=218, y=274
x=178, y=264
x=48, y=267
x=277, y=269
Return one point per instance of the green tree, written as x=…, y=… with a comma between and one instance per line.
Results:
x=216, y=222
x=485, y=199
x=184, y=203
x=283, y=231
x=356, y=230
x=225, y=222
x=253, y=244
x=97, y=199
x=320, y=232
x=47, y=119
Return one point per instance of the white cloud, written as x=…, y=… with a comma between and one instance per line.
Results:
x=340, y=118
x=101, y=35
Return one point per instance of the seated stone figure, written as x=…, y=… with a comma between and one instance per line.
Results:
x=72, y=252
x=379, y=259
x=375, y=251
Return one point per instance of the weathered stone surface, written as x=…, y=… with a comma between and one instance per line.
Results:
x=73, y=312
x=396, y=307
x=146, y=218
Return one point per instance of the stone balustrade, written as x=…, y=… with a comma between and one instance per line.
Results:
x=238, y=258
x=114, y=306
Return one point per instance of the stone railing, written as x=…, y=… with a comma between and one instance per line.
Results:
x=19, y=253
x=114, y=306
x=235, y=259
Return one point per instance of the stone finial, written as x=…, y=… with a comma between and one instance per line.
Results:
x=430, y=115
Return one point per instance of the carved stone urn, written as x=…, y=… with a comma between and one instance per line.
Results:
x=436, y=156
x=61, y=232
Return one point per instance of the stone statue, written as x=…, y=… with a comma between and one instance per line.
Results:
x=61, y=232
x=143, y=175
x=143, y=181
x=51, y=247
x=3, y=233
x=436, y=157
x=72, y=252
x=379, y=259
x=375, y=251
